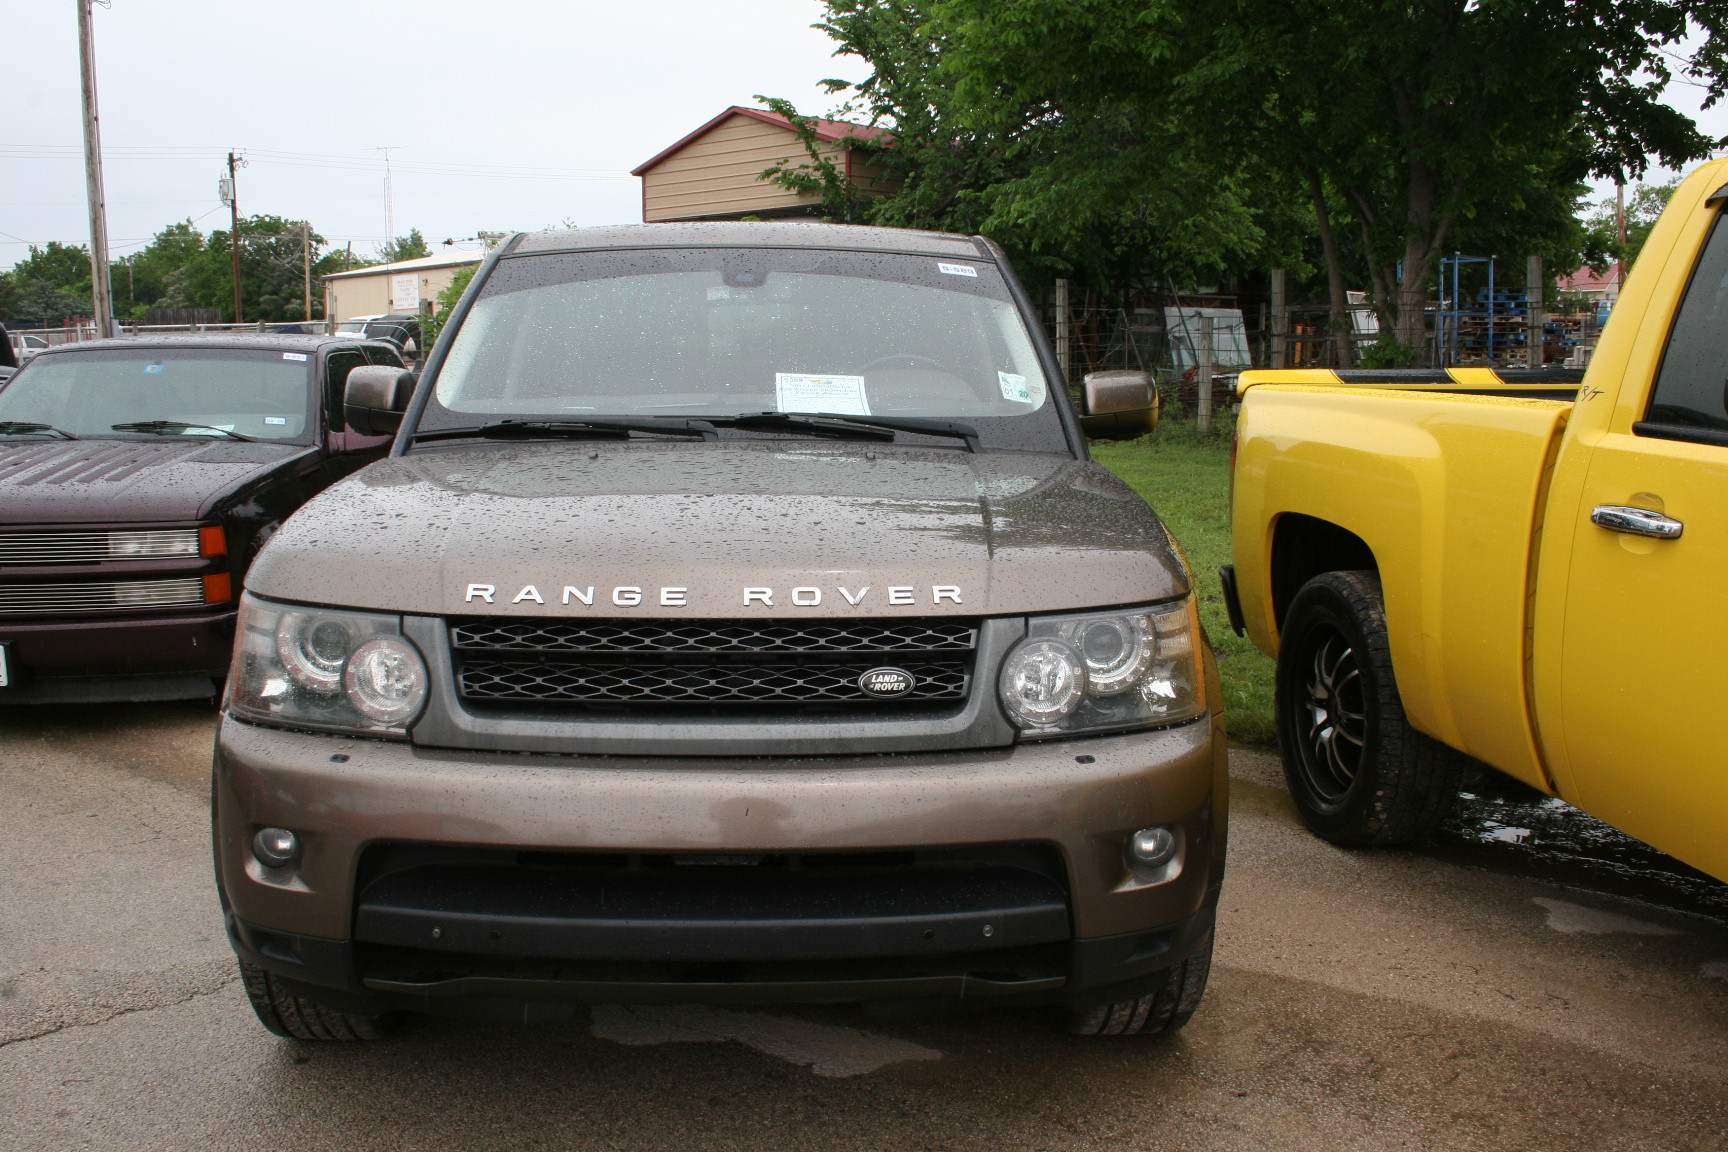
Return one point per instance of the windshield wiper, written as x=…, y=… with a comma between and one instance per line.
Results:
x=617, y=427
x=24, y=427
x=175, y=427
x=874, y=427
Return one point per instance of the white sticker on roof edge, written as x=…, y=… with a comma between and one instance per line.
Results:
x=957, y=269
x=293, y=355
x=1014, y=387
x=808, y=392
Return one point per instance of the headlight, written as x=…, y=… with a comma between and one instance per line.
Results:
x=325, y=668
x=1105, y=670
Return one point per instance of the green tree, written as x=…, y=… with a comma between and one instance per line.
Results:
x=154, y=277
x=1112, y=200
x=447, y=300
x=1402, y=122
x=271, y=271
x=1643, y=205
x=409, y=247
x=50, y=285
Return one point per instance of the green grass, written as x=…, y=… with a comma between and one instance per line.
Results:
x=1185, y=475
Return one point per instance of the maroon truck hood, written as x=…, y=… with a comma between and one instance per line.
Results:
x=104, y=481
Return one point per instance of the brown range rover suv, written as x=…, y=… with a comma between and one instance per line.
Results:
x=138, y=478
x=737, y=618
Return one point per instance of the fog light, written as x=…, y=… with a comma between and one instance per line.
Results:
x=276, y=847
x=1152, y=847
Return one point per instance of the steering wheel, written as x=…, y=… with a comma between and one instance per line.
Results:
x=936, y=364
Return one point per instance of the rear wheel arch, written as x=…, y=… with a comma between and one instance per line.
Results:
x=1304, y=547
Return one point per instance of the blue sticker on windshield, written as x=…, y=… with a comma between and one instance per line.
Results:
x=275, y=419
x=152, y=368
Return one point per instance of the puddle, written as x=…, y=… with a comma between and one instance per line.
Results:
x=1578, y=920
x=1508, y=827
x=826, y=1049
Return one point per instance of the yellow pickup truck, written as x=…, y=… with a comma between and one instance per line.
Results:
x=1525, y=569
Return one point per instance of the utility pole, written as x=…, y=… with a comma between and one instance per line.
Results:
x=231, y=192
x=1619, y=236
x=1536, y=352
x=1280, y=320
x=101, y=292
x=1064, y=333
x=306, y=263
x=1203, y=377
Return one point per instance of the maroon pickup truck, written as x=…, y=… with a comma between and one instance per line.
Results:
x=138, y=479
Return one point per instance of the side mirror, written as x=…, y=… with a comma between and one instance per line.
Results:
x=1118, y=405
x=375, y=397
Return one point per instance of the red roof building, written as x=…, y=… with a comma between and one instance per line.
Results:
x=715, y=172
x=1592, y=285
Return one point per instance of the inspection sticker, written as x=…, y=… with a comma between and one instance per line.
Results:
x=806, y=392
x=152, y=369
x=1014, y=387
x=293, y=355
x=275, y=419
x=957, y=269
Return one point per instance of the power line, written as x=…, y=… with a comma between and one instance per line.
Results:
x=317, y=160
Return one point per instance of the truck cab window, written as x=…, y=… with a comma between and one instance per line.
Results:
x=1692, y=383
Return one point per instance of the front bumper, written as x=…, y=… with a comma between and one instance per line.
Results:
x=108, y=659
x=348, y=799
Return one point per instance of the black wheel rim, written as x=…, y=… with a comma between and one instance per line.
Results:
x=1332, y=715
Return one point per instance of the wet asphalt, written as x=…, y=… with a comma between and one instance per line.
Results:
x=1531, y=981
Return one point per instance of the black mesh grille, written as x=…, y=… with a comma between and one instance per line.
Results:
x=697, y=683
x=627, y=666
x=716, y=636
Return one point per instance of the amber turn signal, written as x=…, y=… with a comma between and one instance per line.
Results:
x=218, y=587
x=212, y=541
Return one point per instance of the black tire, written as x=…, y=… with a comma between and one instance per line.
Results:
x=1360, y=775
x=1165, y=1008
x=297, y=1018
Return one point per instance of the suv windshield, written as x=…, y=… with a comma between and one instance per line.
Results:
x=721, y=332
x=262, y=394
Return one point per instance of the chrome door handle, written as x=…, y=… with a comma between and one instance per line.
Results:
x=1636, y=521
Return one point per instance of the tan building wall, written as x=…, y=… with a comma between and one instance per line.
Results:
x=367, y=292
x=717, y=174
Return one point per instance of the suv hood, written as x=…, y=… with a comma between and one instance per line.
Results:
x=106, y=481
x=731, y=529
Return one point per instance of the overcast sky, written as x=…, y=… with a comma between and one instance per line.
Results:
x=501, y=114
x=585, y=89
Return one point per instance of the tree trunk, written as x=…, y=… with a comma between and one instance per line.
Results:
x=1340, y=303
x=1424, y=237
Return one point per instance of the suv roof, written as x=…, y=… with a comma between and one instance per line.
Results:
x=735, y=234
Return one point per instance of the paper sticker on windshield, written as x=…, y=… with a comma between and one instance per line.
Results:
x=276, y=420
x=212, y=430
x=957, y=269
x=1014, y=387
x=806, y=392
x=293, y=355
x=152, y=369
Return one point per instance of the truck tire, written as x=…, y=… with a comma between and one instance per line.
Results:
x=1360, y=775
x=1164, y=1009
x=297, y=1018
